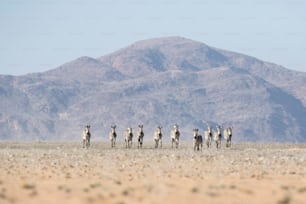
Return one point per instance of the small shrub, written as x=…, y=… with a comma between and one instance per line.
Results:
x=195, y=190
x=302, y=190
x=28, y=186
x=285, y=200
x=125, y=192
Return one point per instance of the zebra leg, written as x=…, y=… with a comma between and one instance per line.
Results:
x=83, y=143
x=87, y=143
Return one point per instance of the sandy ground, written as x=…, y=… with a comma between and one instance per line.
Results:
x=66, y=173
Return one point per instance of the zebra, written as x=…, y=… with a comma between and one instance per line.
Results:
x=140, y=135
x=86, y=136
x=227, y=134
x=128, y=136
x=158, y=137
x=208, y=136
x=218, y=136
x=197, y=140
x=175, y=136
x=113, y=136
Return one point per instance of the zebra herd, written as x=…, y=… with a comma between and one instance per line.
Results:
x=209, y=136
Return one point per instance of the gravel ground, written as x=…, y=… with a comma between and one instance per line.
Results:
x=63, y=172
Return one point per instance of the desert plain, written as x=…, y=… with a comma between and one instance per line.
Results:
x=64, y=172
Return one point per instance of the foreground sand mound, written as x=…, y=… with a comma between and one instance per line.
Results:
x=66, y=173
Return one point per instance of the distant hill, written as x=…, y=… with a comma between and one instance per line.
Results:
x=162, y=81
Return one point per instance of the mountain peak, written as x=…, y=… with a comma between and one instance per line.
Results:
x=164, y=41
x=161, y=54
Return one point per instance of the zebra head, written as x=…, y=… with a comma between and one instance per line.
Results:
x=195, y=132
x=86, y=130
x=140, y=128
x=176, y=128
x=129, y=130
x=113, y=127
x=229, y=130
x=209, y=128
x=158, y=129
x=158, y=132
x=218, y=129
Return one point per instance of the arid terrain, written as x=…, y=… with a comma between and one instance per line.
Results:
x=64, y=172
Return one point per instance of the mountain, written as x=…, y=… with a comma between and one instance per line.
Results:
x=162, y=81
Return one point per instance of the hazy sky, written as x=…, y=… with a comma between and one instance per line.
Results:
x=38, y=35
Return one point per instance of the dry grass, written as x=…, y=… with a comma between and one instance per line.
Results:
x=52, y=172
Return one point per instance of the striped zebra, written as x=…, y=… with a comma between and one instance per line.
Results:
x=175, y=136
x=86, y=136
x=158, y=137
x=128, y=136
x=208, y=136
x=197, y=140
x=218, y=136
x=227, y=134
x=140, y=136
x=113, y=136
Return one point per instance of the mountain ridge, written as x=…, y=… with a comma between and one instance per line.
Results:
x=160, y=81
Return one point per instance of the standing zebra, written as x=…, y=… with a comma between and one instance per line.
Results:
x=113, y=136
x=175, y=136
x=86, y=136
x=158, y=137
x=140, y=135
x=218, y=136
x=128, y=136
x=197, y=140
x=227, y=134
x=208, y=136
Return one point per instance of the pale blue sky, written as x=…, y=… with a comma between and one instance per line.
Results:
x=38, y=35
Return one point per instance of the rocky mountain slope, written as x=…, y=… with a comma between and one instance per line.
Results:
x=160, y=81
